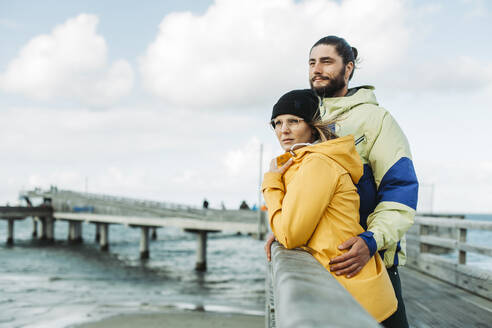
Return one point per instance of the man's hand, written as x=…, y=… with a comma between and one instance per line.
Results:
x=353, y=261
x=268, y=246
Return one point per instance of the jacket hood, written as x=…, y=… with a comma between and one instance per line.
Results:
x=338, y=105
x=341, y=150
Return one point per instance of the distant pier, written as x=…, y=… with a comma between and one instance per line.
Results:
x=108, y=210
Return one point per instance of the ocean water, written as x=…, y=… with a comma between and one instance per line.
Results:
x=61, y=285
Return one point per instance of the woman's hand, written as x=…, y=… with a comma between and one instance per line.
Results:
x=282, y=169
x=268, y=246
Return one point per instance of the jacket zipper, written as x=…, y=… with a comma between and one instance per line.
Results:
x=360, y=139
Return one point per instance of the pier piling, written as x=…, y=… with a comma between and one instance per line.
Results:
x=34, y=227
x=71, y=231
x=98, y=232
x=144, y=243
x=78, y=232
x=50, y=229
x=104, y=237
x=43, y=228
x=201, y=252
x=10, y=235
x=154, y=233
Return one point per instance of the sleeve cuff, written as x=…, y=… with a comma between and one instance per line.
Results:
x=368, y=237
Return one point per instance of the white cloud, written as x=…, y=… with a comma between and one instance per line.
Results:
x=250, y=52
x=70, y=63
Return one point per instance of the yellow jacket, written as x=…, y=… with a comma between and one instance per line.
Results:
x=315, y=205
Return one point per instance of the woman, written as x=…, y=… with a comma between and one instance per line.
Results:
x=312, y=201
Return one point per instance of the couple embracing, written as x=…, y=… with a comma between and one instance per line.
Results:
x=348, y=191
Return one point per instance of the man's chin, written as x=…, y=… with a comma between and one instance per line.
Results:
x=320, y=90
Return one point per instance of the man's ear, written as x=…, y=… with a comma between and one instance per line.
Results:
x=349, y=68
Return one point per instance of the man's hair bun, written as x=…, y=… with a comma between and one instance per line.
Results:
x=354, y=50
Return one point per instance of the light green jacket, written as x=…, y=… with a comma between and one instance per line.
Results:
x=389, y=187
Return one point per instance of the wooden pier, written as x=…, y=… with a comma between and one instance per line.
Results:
x=438, y=291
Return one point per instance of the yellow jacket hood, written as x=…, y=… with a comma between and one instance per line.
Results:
x=341, y=150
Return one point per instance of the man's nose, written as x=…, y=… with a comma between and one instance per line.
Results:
x=316, y=68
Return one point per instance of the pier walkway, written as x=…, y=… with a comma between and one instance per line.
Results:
x=431, y=302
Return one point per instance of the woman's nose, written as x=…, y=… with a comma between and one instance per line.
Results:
x=285, y=128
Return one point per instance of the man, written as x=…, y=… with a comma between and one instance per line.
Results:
x=388, y=189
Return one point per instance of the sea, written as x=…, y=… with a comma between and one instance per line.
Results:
x=62, y=285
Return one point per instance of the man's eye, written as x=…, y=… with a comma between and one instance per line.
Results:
x=277, y=123
x=293, y=121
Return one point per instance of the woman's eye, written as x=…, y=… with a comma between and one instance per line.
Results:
x=293, y=121
x=277, y=123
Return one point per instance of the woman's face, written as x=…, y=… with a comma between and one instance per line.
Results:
x=290, y=130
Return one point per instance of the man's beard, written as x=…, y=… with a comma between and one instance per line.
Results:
x=332, y=87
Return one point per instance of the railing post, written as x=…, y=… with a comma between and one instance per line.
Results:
x=462, y=239
x=424, y=230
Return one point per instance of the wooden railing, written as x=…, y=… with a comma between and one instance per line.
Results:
x=427, y=236
x=301, y=293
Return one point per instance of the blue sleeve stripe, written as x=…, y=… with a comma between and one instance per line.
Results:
x=368, y=195
x=395, y=260
x=400, y=184
x=367, y=236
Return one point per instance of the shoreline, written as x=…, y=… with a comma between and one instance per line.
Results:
x=176, y=318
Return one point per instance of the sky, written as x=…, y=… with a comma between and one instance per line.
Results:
x=169, y=100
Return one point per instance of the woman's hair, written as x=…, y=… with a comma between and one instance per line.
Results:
x=323, y=130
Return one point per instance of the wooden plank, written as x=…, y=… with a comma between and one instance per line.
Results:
x=454, y=223
x=482, y=250
x=183, y=223
x=439, y=241
x=453, y=244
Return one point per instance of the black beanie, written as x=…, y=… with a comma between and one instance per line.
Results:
x=303, y=103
